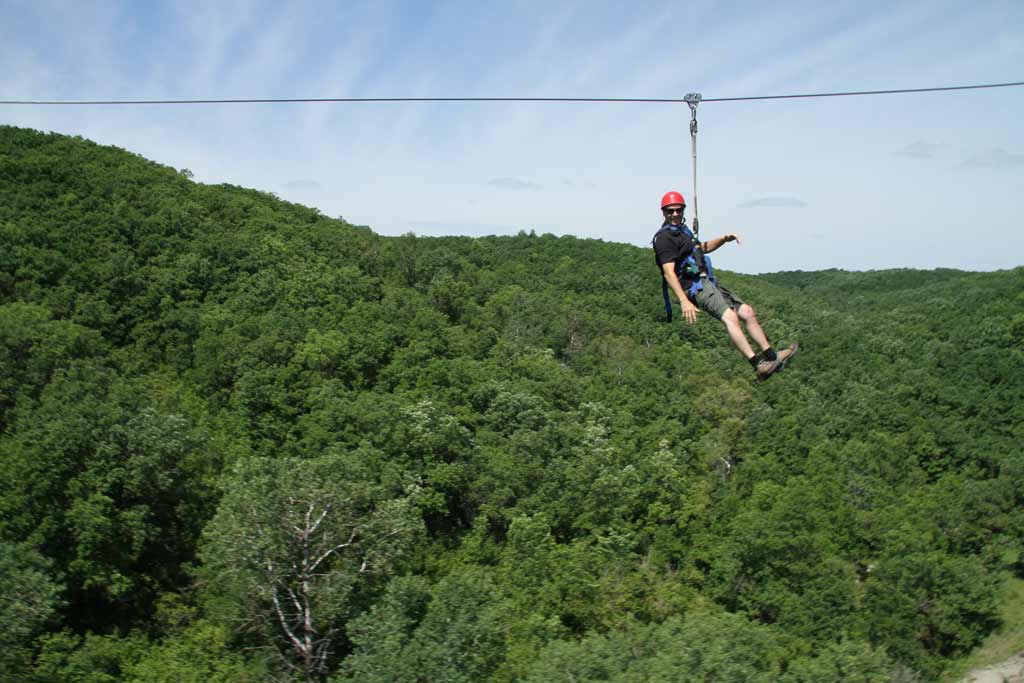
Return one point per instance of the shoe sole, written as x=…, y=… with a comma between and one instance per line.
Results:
x=794, y=347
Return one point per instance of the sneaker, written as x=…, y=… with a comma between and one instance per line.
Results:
x=786, y=355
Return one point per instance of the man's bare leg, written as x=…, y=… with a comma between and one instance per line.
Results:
x=749, y=318
x=739, y=340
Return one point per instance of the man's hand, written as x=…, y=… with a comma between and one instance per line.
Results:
x=689, y=311
x=731, y=237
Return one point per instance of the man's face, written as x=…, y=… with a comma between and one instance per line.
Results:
x=673, y=213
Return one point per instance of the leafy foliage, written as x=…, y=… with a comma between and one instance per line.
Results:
x=519, y=471
x=29, y=600
x=292, y=541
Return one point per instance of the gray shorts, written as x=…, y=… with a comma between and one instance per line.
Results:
x=716, y=299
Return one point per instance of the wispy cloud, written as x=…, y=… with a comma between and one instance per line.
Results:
x=920, y=150
x=590, y=169
x=997, y=158
x=773, y=202
x=513, y=184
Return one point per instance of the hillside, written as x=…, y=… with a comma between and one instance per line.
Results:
x=241, y=439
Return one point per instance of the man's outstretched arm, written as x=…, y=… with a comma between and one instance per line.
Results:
x=712, y=244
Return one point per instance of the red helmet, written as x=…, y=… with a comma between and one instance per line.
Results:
x=672, y=198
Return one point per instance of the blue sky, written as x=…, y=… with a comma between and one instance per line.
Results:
x=919, y=181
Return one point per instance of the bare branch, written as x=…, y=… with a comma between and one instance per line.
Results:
x=294, y=599
x=320, y=519
x=330, y=551
x=300, y=546
x=296, y=643
x=323, y=650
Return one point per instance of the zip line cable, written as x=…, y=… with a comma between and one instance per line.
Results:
x=864, y=92
x=619, y=100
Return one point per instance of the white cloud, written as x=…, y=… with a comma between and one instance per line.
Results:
x=920, y=150
x=456, y=162
x=996, y=159
x=513, y=184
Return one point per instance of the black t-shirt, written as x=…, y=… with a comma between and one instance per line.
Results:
x=673, y=246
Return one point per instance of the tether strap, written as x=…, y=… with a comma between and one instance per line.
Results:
x=668, y=301
x=693, y=99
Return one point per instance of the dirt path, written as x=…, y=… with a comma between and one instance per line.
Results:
x=1010, y=671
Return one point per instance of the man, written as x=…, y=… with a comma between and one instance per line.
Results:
x=688, y=273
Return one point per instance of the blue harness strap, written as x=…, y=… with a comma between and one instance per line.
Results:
x=686, y=269
x=668, y=302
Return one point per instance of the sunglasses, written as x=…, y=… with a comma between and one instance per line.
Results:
x=671, y=211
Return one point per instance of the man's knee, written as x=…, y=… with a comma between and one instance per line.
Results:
x=730, y=317
x=747, y=312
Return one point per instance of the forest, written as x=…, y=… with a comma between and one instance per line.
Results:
x=243, y=441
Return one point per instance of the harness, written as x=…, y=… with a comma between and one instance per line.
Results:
x=687, y=269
